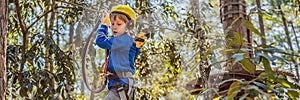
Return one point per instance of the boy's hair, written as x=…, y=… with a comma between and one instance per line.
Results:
x=121, y=16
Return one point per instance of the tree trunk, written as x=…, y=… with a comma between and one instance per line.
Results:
x=71, y=49
x=233, y=14
x=49, y=61
x=25, y=37
x=78, y=42
x=201, y=36
x=25, y=41
x=48, y=36
x=261, y=23
x=3, y=34
x=71, y=40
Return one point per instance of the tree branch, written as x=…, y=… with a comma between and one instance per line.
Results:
x=18, y=9
x=71, y=40
x=42, y=15
x=52, y=18
x=288, y=38
x=295, y=36
x=38, y=18
x=25, y=36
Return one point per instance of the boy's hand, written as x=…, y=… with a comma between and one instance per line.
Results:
x=140, y=39
x=106, y=20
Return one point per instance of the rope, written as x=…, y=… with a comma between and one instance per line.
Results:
x=84, y=56
x=86, y=47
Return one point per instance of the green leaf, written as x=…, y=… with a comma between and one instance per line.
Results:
x=229, y=80
x=272, y=50
x=238, y=57
x=238, y=38
x=265, y=86
x=263, y=75
x=267, y=66
x=284, y=83
x=248, y=66
x=250, y=26
x=243, y=97
x=233, y=90
x=267, y=17
x=231, y=42
x=280, y=59
x=298, y=21
x=173, y=18
x=31, y=67
x=293, y=94
x=235, y=20
x=167, y=63
x=253, y=87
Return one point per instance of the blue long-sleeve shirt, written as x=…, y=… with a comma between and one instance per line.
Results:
x=122, y=50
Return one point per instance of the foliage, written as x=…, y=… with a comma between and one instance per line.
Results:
x=27, y=75
x=166, y=72
x=279, y=79
x=268, y=84
x=183, y=45
x=35, y=82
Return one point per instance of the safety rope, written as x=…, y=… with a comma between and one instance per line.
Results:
x=86, y=47
x=84, y=56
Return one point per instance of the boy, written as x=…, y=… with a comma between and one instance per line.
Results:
x=121, y=49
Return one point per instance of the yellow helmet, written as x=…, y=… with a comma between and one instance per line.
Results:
x=125, y=9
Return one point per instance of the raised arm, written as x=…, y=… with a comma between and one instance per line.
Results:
x=102, y=40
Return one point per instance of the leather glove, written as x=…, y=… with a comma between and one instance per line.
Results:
x=106, y=20
x=140, y=39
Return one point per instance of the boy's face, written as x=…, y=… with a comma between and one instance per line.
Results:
x=118, y=26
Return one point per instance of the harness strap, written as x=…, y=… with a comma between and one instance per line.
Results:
x=106, y=62
x=122, y=93
x=130, y=82
x=122, y=88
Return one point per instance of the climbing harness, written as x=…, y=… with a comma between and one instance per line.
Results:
x=124, y=90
